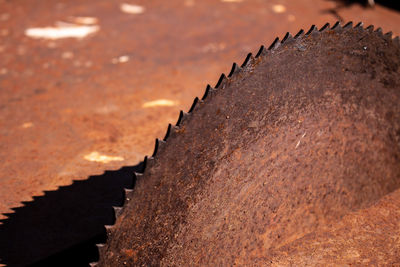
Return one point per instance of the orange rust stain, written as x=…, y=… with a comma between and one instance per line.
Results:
x=130, y=253
x=181, y=130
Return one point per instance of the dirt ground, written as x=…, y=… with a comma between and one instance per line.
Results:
x=77, y=106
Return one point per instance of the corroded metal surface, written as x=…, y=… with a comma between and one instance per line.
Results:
x=62, y=100
x=301, y=141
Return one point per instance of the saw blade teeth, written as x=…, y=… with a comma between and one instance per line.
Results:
x=221, y=82
x=101, y=248
x=117, y=211
x=370, y=28
x=325, y=27
x=136, y=177
x=150, y=162
x=128, y=193
x=185, y=116
x=299, y=34
x=379, y=31
x=336, y=26
x=168, y=132
x=206, y=92
x=108, y=229
x=161, y=143
x=235, y=69
x=312, y=29
x=249, y=59
x=388, y=35
x=195, y=101
x=144, y=164
x=359, y=25
x=348, y=25
x=261, y=52
x=287, y=38
x=137, y=174
x=179, y=118
x=155, y=148
x=182, y=117
x=275, y=44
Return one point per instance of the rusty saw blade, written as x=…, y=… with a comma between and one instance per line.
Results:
x=288, y=145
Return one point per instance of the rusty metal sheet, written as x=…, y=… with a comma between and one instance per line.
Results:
x=61, y=100
x=292, y=144
x=74, y=107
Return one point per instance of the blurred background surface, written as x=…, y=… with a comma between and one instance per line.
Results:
x=86, y=86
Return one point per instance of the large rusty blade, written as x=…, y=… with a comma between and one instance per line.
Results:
x=295, y=140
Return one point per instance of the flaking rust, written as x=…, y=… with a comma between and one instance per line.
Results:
x=294, y=158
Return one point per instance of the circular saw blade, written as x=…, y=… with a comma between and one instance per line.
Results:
x=289, y=144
